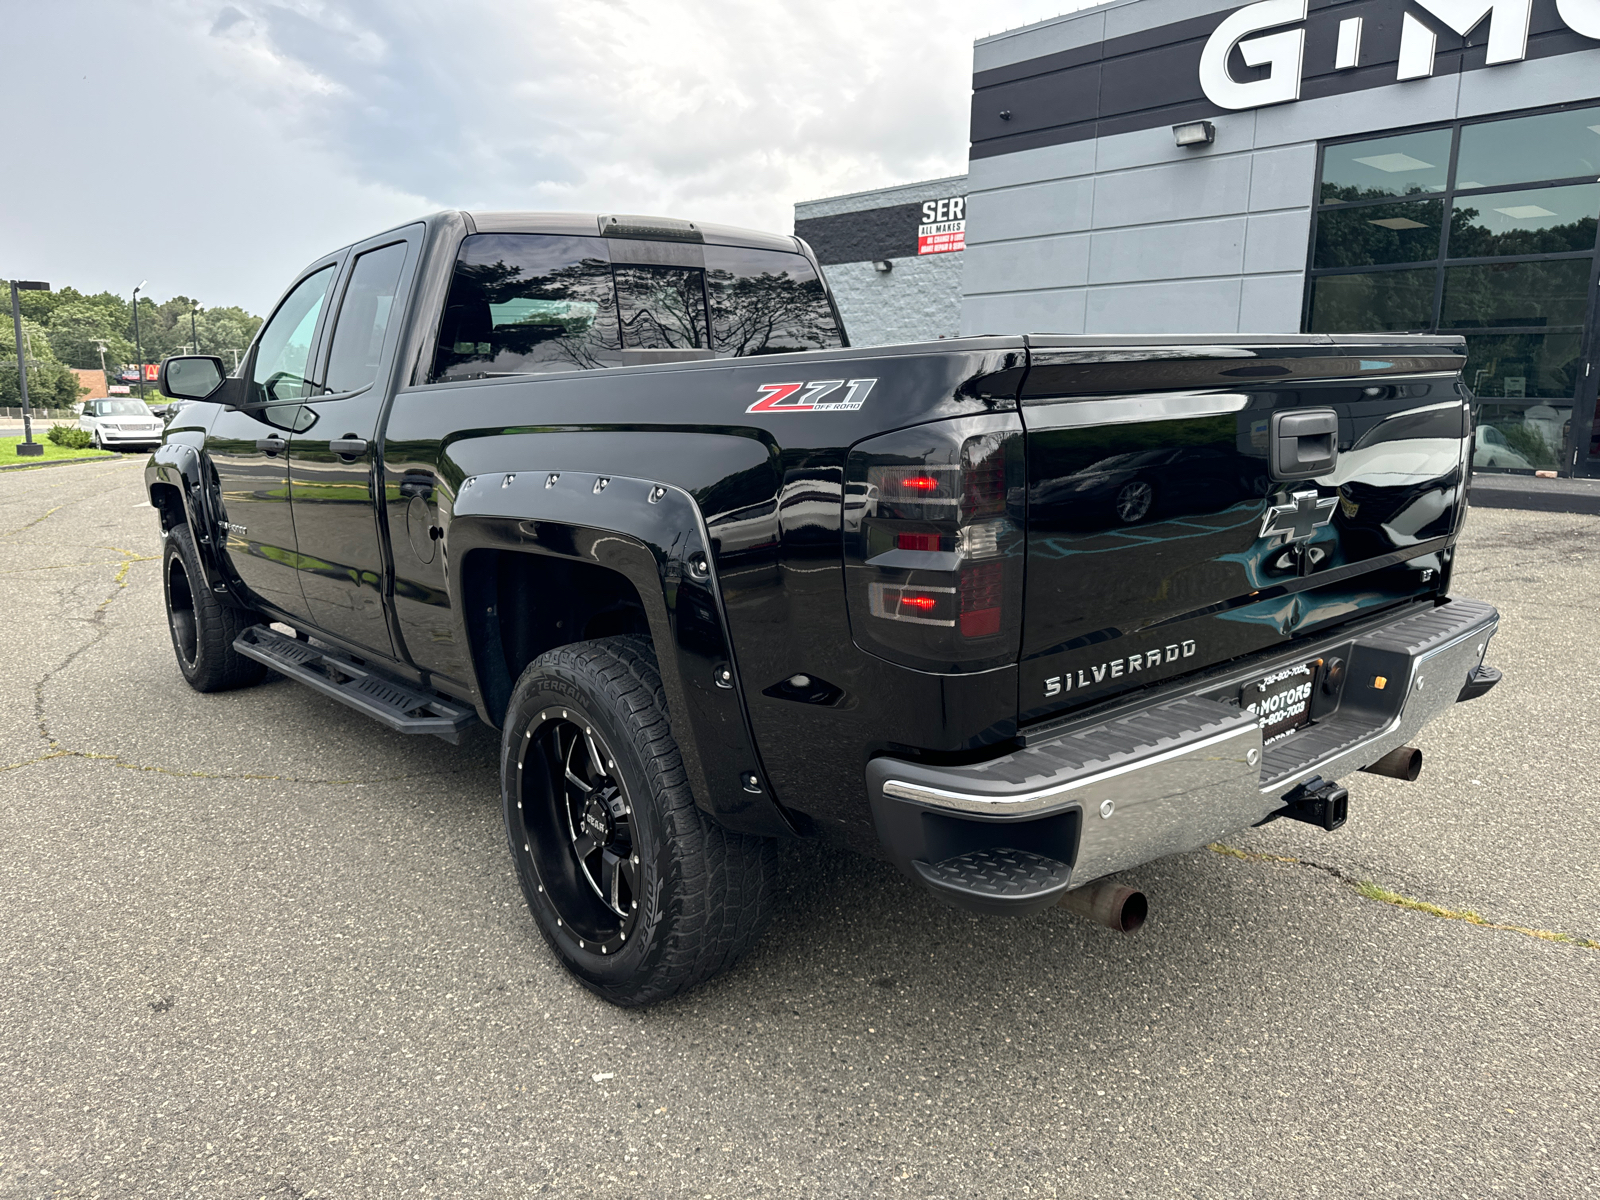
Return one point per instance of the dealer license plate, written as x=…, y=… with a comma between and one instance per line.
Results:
x=1282, y=700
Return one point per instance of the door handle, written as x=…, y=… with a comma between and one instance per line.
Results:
x=271, y=446
x=348, y=447
x=1305, y=443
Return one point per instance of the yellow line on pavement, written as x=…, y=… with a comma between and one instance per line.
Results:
x=1371, y=891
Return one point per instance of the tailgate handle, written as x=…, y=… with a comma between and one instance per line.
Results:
x=1305, y=442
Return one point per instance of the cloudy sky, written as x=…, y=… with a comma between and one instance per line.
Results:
x=215, y=146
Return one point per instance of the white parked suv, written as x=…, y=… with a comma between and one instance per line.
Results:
x=120, y=421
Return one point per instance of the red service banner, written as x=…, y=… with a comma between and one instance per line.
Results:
x=944, y=241
x=943, y=228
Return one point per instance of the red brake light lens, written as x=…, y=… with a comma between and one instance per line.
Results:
x=920, y=483
x=920, y=603
x=932, y=542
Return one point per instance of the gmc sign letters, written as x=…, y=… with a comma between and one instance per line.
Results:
x=1284, y=52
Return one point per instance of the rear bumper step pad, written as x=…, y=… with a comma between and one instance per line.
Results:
x=400, y=706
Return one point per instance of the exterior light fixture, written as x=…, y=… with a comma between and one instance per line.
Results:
x=1195, y=133
x=883, y=266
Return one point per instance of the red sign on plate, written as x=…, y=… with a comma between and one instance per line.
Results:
x=152, y=372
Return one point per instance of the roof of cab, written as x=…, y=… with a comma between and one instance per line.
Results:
x=588, y=225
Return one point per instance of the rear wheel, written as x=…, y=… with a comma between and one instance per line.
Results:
x=1134, y=501
x=635, y=890
x=202, y=627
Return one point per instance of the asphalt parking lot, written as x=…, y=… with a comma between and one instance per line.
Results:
x=252, y=945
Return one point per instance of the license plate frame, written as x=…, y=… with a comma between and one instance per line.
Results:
x=1281, y=701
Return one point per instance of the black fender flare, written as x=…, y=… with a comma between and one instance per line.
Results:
x=181, y=467
x=655, y=536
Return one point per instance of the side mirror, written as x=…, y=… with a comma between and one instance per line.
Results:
x=190, y=376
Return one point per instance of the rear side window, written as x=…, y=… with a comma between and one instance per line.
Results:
x=364, y=319
x=525, y=302
x=766, y=302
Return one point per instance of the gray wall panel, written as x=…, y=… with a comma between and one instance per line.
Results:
x=1531, y=84
x=1208, y=187
x=1187, y=306
x=1034, y=41
x=1283, y=178
x=1271, y=303
x=1027, y=265
x=1025, y=312
x=1417, y=102
x=1277, y=241
x=1030, y=166
x=1178, y=251
x=1147, y=147
x=1061, y=206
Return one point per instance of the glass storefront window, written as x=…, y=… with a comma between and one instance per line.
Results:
x=1391, y=166
x=1559, y=145
x=1522, y=366
x=1533, y=221
x=1549, y=292
x=1373, y=234
x=1513, y=271
x=1373, y=302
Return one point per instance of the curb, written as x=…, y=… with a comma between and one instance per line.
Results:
x=59, y=462
x=1530, y=494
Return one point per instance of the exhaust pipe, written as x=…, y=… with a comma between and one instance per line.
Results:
x=1110, y=904
x=1404, y=763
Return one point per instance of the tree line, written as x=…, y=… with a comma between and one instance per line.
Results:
x=66, y=328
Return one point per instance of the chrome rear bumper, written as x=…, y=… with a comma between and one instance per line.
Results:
x=1109, y=795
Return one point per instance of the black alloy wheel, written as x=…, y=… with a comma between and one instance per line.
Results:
x=203, y=628
x=639, y=894
x=576, y=809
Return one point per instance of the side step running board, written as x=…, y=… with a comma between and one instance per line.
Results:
x=398, y=705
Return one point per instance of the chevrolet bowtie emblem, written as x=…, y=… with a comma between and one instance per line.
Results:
x=1300, y=519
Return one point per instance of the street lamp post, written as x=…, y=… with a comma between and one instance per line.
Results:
x=138, y=347
x=27, y=448
x=194, y=334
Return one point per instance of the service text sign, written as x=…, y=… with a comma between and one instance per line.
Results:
x=943, y=227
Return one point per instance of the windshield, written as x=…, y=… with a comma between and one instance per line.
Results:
x=123, y=408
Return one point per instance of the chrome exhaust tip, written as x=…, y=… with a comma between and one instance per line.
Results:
x=1110, y=904
x=1404, y=763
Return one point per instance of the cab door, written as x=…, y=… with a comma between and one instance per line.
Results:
x=248, y=447
x=335, y=462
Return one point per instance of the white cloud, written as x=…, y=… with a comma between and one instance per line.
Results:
x=234, y=141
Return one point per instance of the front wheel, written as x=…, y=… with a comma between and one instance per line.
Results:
x=1134, y=501
x=203, y=628
x=639, y=895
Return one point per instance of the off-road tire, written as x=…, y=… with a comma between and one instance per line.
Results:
x=202, y=627
x=703, y=893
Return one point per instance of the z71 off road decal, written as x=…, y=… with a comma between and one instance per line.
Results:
x=820, y=395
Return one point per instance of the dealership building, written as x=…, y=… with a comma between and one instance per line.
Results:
x=1187, y=166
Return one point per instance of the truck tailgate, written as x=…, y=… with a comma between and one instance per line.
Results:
x=1162, y=537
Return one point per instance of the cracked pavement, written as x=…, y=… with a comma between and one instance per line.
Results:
x=253, y=945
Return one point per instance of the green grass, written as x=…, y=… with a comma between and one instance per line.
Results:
x=52, y=452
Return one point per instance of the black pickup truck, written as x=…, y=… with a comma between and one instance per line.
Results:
x=1013, y=613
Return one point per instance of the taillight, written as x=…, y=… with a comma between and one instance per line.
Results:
x=934, y=546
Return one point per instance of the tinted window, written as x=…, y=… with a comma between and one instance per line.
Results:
x=1535, y=221
x=661, y=308
x=526, y=302
x=766, y=302
x=1379, y=233
x=1561, y=145
x=283, y=350
x=1554, y=292
x=364, y=319
x=1391, y=166
x=1382, y=301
